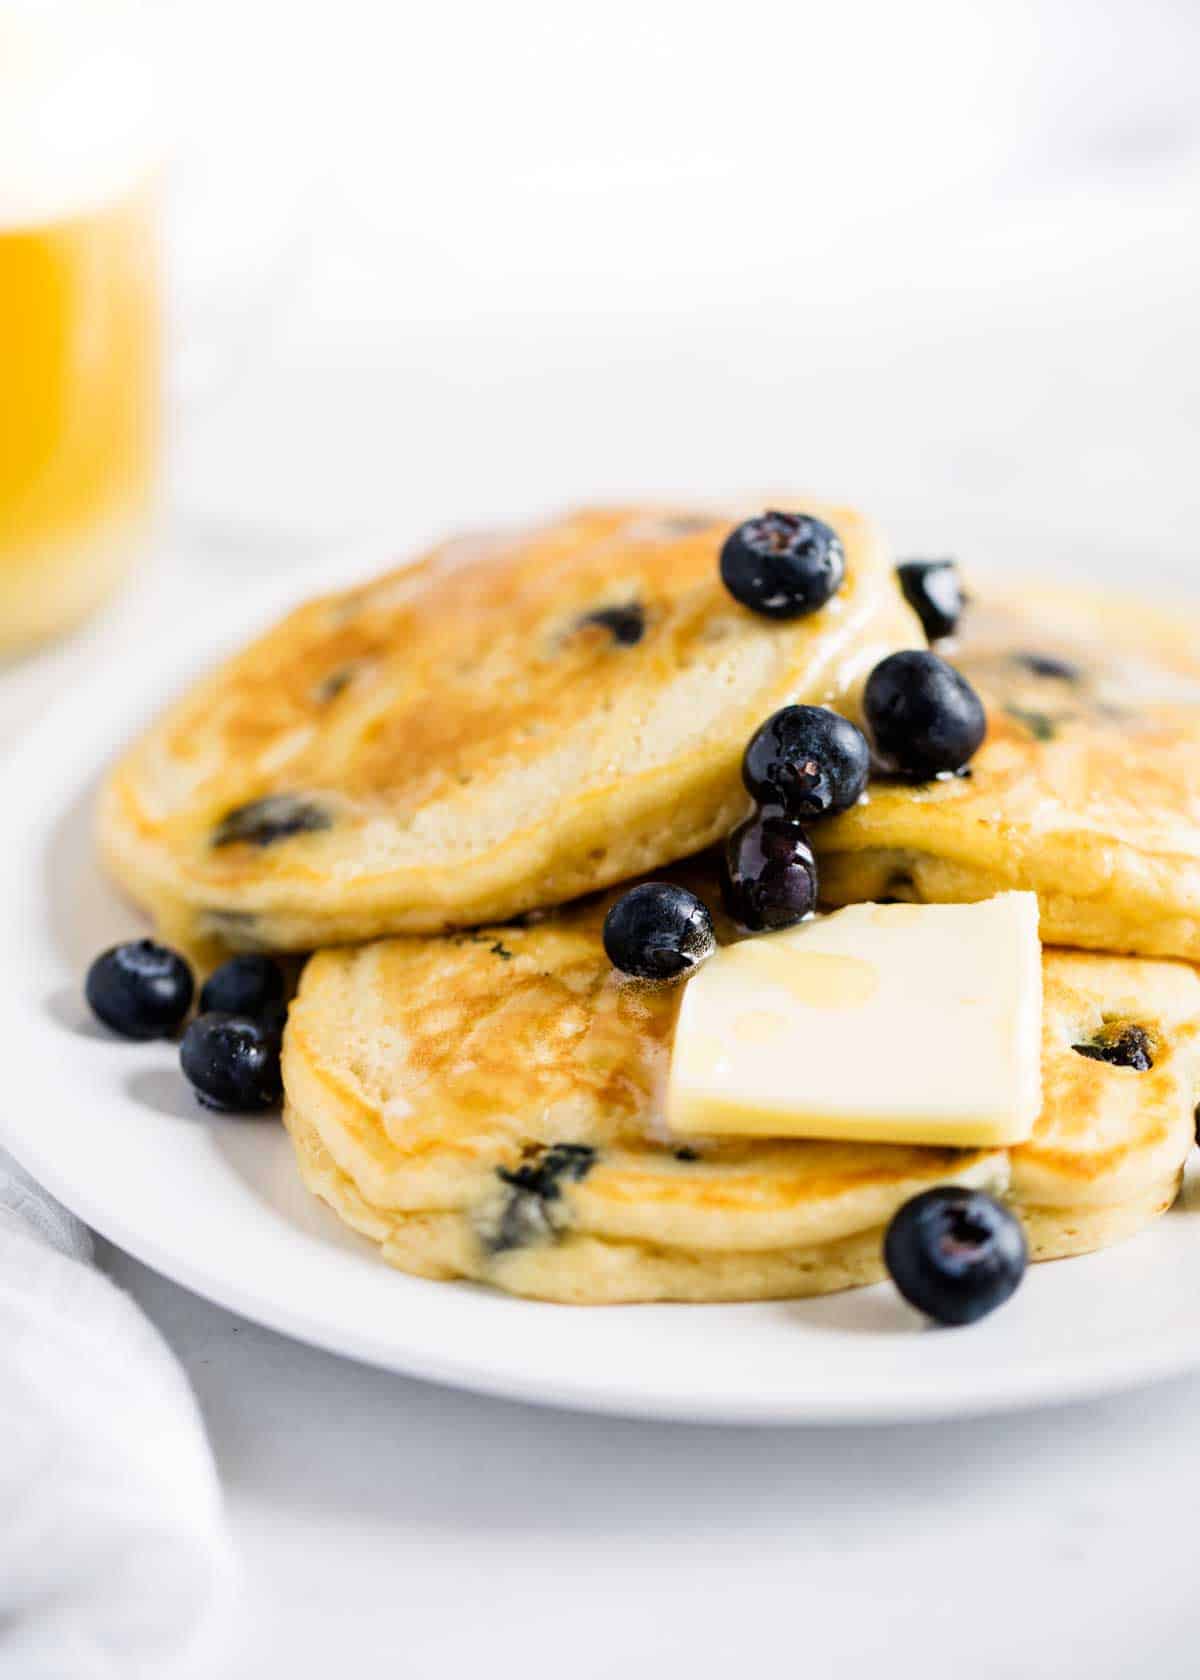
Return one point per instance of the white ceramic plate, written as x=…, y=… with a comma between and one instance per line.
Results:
x=215, y=1203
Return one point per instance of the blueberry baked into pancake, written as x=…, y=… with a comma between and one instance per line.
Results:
x=507, y=723
x=682, y=911
x=1086, y=792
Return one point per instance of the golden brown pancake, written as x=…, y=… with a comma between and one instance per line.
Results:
x=506, y=724
x=489, y=1106
x=1087, y=790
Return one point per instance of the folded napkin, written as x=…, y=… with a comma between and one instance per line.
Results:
x=113, y=1552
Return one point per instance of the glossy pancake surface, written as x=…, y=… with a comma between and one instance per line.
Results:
x=489, y=1106
x=509, y=722
x=1087, y=789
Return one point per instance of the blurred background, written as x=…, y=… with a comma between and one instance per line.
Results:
x=431, y=265
x=940, y=258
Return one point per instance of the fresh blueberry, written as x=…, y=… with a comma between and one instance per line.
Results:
x=808, y=761
x=769, y=878
x=232, y=1062
x=140, y=990
x=933, y=589
x=955, y=1254
x=924, y=715
x=658, y=931
x=784, y=565
x=250, y=984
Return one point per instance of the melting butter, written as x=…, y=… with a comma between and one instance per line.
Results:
x=759, y=1026
x=895, y=1023
x=820, y=979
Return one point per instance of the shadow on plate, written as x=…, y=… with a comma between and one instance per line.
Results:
x=258, y=1152
x=877, y=1311
x=68, y=1008
x=167, y=1092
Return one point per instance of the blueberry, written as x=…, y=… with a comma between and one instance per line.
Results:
x=542, y=1175
x=769, y=878
x=1039, y=724
x=808, y=761
x=955, y=1254
x=250, y=984
x=262, y=822
x=1127, y=1046
x=140, y=990
x=658, y=931
x=333, y=684
x=232, y=1062
x=532, y=1210
x=1050, y=666
x=925, y=717
x=626, y=625
x=933, y=589
x=784, y=565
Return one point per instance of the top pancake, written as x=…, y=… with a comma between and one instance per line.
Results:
x=489, y=1105
x=507, y=723
x=1086, y=791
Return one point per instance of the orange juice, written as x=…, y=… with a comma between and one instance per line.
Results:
x=79, y=326
x=79, y=335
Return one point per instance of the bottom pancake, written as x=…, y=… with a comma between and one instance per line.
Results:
x=488, y=1106
x=587, y=1270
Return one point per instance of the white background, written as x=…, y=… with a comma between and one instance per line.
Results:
x=452, y=260
x=437, y=263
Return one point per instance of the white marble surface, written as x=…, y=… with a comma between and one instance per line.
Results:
x=405, y=1528
x=976, y=316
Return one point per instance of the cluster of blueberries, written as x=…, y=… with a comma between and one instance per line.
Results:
x=807, y=762
x=955, y=1254
x=230, y=1052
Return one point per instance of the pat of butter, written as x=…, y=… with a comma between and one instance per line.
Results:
x=887, y=1023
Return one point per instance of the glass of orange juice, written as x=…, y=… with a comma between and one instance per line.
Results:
x=80, y=315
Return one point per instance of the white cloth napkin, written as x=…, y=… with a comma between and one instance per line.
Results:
x=113, y=1550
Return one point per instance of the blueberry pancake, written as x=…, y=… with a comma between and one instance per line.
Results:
x=508, y=723
x=489, y=1105
x=1087, y=790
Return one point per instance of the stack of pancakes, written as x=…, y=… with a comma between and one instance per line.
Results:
x=437, y=780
